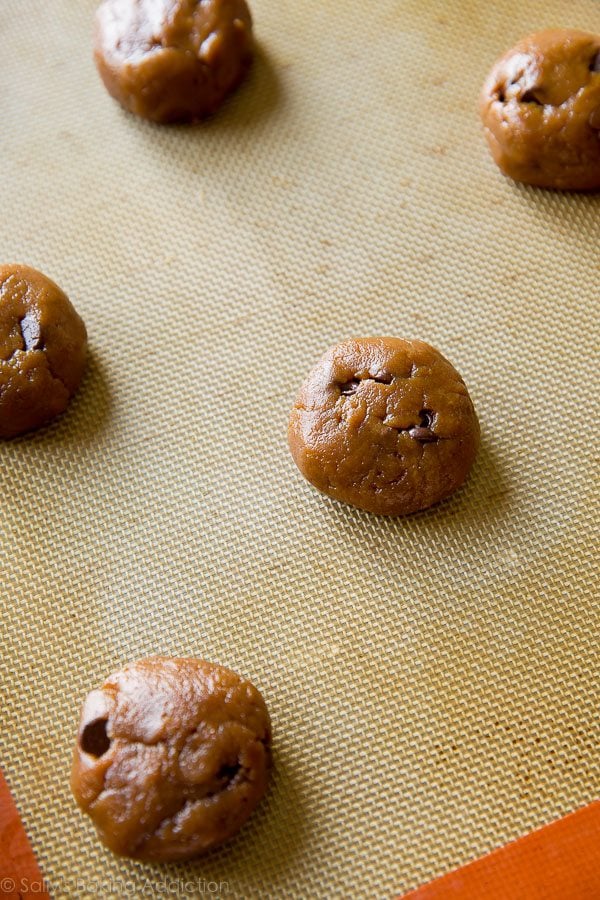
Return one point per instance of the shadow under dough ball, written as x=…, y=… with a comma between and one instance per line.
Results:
x=43, y=344
x=540, y=108
x=384, y=424
x=172, y=60
x=172, y=756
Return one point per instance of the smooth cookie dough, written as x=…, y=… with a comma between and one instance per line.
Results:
x=540, y=108
x=43, y=346
x=384, y=424
x=172, y=756
x=172, y=60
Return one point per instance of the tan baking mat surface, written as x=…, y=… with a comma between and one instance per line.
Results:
x=434, y=682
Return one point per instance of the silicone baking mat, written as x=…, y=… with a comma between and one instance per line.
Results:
x=434, y=681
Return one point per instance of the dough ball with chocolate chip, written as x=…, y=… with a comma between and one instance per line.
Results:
x=540, y=108
x=172, y=60
x=172, y=756
x=42, y=350
x=384, y=424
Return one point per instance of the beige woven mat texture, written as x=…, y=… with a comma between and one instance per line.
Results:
x=434, y=682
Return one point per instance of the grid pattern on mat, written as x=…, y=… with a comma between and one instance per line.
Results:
x=433, y=681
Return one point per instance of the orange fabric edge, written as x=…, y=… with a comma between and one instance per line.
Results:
x=20, y=875
x=558, y=861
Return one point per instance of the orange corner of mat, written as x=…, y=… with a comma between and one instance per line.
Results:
x=20, y=875
x=559, y=861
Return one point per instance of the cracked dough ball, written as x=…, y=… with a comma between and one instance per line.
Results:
x=42, y=350
x=540, y=108
x=384, y=424
x=172, y=756
x=172, y=60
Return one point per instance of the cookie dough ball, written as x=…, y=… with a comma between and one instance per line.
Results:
x=384, y=424
x=540, y=108
x=42, y=350
x=172, y=756
x=172, y=60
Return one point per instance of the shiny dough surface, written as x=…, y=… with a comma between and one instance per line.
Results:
x=540, y=107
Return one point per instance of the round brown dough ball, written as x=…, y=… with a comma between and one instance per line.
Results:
x=172, y=756
x=42, y=350
x=540, y=108
x=172, y=60
x=384, y=424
